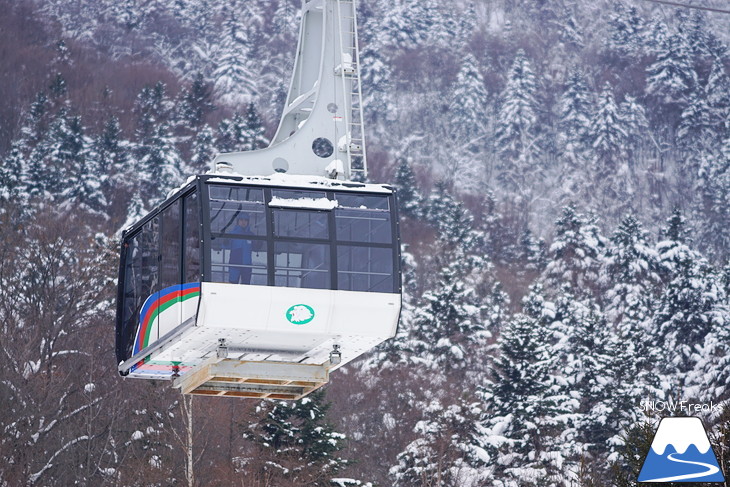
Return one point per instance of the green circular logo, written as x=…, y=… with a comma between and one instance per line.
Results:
x=300, y=314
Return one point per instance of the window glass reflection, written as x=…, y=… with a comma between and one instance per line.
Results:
x=301, y=224
x=359, y=201
x=363, y=226
x=365, y=269
x=304, y=265
x=293, y=194
x=240, y=266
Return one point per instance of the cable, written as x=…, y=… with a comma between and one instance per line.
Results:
x=684, y=5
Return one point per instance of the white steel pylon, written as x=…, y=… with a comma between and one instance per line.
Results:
x=321, y=132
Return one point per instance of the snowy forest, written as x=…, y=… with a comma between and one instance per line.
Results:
x=563, y=174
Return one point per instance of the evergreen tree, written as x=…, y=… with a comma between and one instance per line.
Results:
x=696, y=130
x=576, y=252
x=406, y=25
x=609, y=140
x=232, y=134
x=63, y=150
x=195, y=104
x=410, y=200
x=635, y=124
x=525, y=402
x=448, y=323
x=627, y=30
x=656, y=36
x=447, y=452
x=575, y=116
x=691, y=305
x=713, y=186
x=516, y=134
x=202, y=151
x=631, y=279
x=453, y=221
x=234, y=79
x=671, y=78
x=718, y=97
x=12, y=186
x=466, y=25
x=377, y=88
x=34, y=145
x=586, y=350
x=297, y=441
x=468, y=106
x=158, y=162
x=253, y=134
x=607, y=133
x=83, y=181
x=111, y=157
x=631, y=273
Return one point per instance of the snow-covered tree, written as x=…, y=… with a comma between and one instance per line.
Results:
x=83, y=180
x=576, y=252
x=713, y=186
x=627, y=30
x=235, y=81
x=671, y=78
x=406, y=24
x=526, y=406
x=241, y=133
x=448, y=323
x=297, y=442
x=195, y=104
x=718, y=97
x=690, y=306
x=12, y=187
x=516, y=131
x=447, y=450
x=631, y=277
x=202, y=150
x=158, y=161
x=636, y=125
x=410, y=200
x=453, y=221
x=468, y=107
x=377, y=88
x=575, y=116
x=254, y=137
x=587, y=354
x=630, y=273
x=696, y=130
x=607, y=134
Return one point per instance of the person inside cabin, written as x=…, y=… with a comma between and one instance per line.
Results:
x=239, y=270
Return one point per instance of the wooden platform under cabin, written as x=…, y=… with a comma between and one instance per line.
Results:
x=263, y=380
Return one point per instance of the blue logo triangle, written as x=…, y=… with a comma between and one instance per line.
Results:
x=681, y=452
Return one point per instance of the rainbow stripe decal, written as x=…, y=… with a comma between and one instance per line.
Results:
x=156, y=304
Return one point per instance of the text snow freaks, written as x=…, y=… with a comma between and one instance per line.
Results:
x=678, y=406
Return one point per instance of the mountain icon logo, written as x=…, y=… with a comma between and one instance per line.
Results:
x=681, y=452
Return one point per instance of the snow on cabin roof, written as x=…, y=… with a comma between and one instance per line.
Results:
x=276, y=179
x=299, y=181
x=311, y=203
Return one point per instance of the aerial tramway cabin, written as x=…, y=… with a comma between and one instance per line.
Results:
x=319, y=283
x=262, y=276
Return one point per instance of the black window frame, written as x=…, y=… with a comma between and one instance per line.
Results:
x=122, y=334
x=333, y=241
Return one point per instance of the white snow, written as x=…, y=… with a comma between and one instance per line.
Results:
x=310, y=203
x=680, y=432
